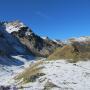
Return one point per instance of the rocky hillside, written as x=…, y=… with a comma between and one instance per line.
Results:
x=17, y=36
x=36, y=44
x=75, y=49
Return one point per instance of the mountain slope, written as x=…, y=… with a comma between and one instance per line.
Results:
x=37, y=45
x=75, y=49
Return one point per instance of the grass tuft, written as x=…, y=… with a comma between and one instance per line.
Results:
x=32, y=73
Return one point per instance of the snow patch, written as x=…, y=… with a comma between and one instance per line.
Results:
x=13, y=26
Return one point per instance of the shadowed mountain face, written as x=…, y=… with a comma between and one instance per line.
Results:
x=10, y=45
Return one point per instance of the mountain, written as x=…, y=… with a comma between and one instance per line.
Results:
x=83, y=39
x=37, y=45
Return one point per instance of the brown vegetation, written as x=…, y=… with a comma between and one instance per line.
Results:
x=32, y=73
x=72, y=52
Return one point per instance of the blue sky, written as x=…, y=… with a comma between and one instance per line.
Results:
x=59, y=19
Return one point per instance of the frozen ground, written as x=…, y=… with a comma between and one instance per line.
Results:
x=8, y=71
x=59, y=75
x=63, y=76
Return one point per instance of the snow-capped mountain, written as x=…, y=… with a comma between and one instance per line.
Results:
x=10, y=44
x=36, y=44
x=13, y=26
x=18, y=31
x=83, y=39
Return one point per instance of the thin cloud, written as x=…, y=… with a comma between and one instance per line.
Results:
x=41, y=14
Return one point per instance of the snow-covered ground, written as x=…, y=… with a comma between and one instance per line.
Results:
x=59, y=75
x=7, y=72
x=69, y=76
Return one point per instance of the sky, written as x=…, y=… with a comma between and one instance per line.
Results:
x=57, y=19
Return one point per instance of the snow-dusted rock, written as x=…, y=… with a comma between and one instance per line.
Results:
x=13, y=26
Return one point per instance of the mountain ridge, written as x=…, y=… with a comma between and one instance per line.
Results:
x=34, y=43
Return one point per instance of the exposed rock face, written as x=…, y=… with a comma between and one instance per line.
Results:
x=10, y=44
x=18, y=35
x=38, y=46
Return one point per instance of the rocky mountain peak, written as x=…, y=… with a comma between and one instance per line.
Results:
x=35, y=44
x=12, y=25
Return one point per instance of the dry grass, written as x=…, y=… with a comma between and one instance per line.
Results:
x=67, y=52
x=32, y=73
x=64, y=52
